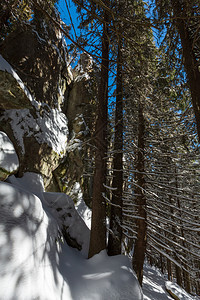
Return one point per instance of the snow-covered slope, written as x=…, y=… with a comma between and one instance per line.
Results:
x=36, y=264
x=29, y=251
x=155, y=286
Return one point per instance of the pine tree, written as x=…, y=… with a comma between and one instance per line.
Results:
x=98, y=225
x=184, y=17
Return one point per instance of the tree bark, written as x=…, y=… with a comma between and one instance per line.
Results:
x=140, y=244
x=186, y=275
x=98, y=223
x=190, y=60
x=115, y=233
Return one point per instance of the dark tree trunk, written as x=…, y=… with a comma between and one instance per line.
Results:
x=169, y=269
x=140, y=244
x=98, y=225
x=190, y=60
x=174, y=230
x=186, y=275
x=115, y=234
x=161, y=264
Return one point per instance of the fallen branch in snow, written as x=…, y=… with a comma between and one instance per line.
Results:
x=172, y=294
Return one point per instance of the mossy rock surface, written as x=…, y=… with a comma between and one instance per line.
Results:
x=3, y=174
x=11, y=94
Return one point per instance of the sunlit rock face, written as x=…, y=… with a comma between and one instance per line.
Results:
x=50, y=123
x=40, y=139
x=11, y=94
x=80, y=110
x=36, y=60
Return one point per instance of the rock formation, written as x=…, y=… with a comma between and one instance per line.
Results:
x=46, y=108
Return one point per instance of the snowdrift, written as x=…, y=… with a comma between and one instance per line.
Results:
x=29, y=250
x=37, y=264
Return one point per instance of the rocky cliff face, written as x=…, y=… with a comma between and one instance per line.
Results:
x=47, y=109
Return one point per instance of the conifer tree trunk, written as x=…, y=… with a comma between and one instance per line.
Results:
x=115, y=234
x=98, y=223
x=169, y=269
x=140, y=244
x=190, y=59
x=186, y=276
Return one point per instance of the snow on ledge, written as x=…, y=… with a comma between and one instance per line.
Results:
x=51, y=128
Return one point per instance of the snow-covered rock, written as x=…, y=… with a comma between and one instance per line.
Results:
x=9, y=162
x=47, y=126
x=73, y=227
x=40, y=138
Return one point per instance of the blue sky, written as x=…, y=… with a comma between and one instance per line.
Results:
x=65, y=15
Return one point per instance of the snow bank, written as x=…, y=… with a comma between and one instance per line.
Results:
x=35, y=264
x=8, y=157
x=99, y=278
x=154, y=284
x=29, y=252
x=32, y=182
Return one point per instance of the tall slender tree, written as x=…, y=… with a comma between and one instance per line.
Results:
x=115, y=233
x=98, y=225
x=184, y=17
x=141, y=241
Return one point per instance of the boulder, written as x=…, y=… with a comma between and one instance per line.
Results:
x=40, y=139
x=34, y=120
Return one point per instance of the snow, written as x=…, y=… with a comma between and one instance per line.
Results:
x=5, y=66
x=178, y=291
x=50, y=128
x=29, y=252
x=8, y=157
x=101, y=277
x=155, y=286
x=37, y=264
x=32, y=182
x=35, y=261
x=83, y=210
x=63, y=209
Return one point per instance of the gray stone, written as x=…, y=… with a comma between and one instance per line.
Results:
x=12, y=96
